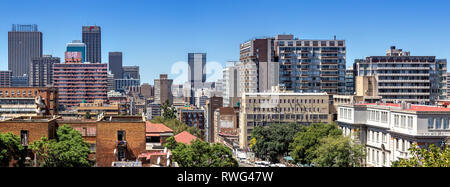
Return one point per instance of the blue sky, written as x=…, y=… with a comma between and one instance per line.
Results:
x=155, y=34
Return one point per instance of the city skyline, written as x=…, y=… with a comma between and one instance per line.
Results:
x=154, y=35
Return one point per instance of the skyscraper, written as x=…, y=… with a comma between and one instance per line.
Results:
x=92, y=37
x=131, y=72
x=163, y=89
x=115, y=64
x=196, y=72
x=24, y=43
x=77, y=46
x=197, y=69
x=41, y=71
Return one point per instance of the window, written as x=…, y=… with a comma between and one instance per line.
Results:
x=438, y=123
x=410, y=122
x=121, y=136
x=430, y=123
x=24, y=137
x=396, y=120
x=403, y=122
x=397, y=144
x=446, y=125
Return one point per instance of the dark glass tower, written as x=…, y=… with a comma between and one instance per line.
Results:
x=115, y=64
x=24, y=43
x=92, y=37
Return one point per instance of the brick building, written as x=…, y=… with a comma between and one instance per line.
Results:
x=119, y=139
x=28, y=101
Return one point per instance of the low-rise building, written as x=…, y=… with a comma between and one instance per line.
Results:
x=389, y=130
x=28, y=101
x=98, y=107
x=261, y=109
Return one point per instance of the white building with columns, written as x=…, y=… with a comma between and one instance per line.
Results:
x=389, y=130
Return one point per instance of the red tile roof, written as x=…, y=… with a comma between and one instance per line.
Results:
x=156, y=128
x=421, y=108
x=185, y=137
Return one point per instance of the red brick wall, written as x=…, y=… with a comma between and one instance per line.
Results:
x=107, y=137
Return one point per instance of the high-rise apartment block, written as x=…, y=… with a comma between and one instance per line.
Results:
x=402, y=77
x=80, y=82
x=115, y=64
x=163, y=89
x=297, y=65
x=92, y=37
x=24, y=43
x=311, y=65
x=41, y=71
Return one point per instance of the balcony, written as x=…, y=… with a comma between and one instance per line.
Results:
x=121, y=144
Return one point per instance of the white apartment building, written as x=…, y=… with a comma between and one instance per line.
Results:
x=389, y=130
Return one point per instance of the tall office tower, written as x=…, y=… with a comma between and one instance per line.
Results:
x=92, y=37
x=197, y=69
x=131, y=72
x=146, y=90
x=311, y=65
x=259, y=70
x=41, y=71
x=349, y=81
x=230, y=82
x=77, y=46
x=80, y=83
x=115, y=64
x=163, y=89
x=5, y=78
x=196, y=72
x=402, y=77
x=24, y=43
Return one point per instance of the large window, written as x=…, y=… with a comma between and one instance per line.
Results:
x=410, y=122
x=24, y=137
x=430, y=123
x=438, y=123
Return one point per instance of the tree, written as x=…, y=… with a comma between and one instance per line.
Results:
x=423, y=157
x=171, y=143
x=308, y=139
x=202, y=154
x=68, y=150
x=10, y=148
x=87, y=115
x=178, y=126
x=272, y=142
x=339, y=151
x=168, y=111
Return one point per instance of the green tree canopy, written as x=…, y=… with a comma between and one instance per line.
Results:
x=10, y=148
x=272, y=142
x=339, y=151
x=307, y=141
x=168, y=111
x=202, y=154
x=68, y=150
x=178, y=126
x=423, y=157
